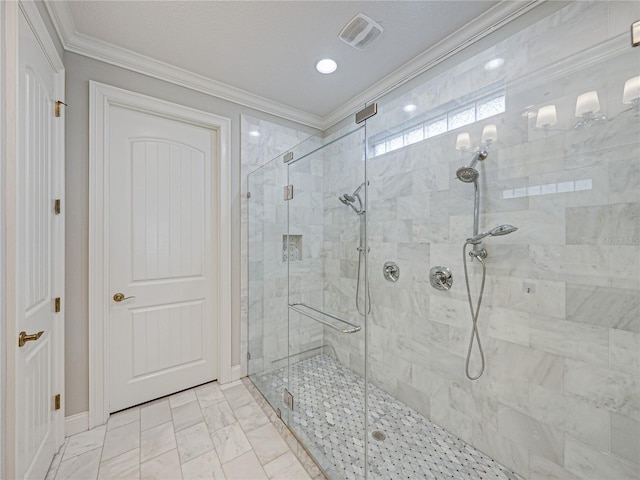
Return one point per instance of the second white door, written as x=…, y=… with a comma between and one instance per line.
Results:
x=162, y=229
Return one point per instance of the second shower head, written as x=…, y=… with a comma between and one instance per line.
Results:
x=494, y=232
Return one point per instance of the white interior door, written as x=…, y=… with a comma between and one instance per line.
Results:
x=163, y=334
x=38, y=254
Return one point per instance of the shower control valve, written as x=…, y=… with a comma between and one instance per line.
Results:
x=441, y=278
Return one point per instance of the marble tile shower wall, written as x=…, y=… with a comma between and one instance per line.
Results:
x=265, y=277
x=560, y=321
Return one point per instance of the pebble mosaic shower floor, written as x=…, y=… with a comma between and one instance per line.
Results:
x=328, y=416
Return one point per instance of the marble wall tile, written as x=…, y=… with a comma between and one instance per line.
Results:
x=544, y=469
x=607, y=307
x=603, y=225
x=538, y=438
x=624, y=351
x=589, y=343
x=625, y=437
x=587, y=462
x=618, y=392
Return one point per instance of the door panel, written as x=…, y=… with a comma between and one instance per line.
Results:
x=161, y=253
x=34, y=368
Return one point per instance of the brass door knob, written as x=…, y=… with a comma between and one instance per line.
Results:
x=24, y=338
x=119, y=297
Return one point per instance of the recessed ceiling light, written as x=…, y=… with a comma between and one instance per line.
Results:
x=411, y=107
x=493, y=64
x=326, y=66
x=254, y=133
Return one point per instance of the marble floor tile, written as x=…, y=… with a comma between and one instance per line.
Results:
x=209, y=394
x=218, y=416
x=165, y=466
x=286, y=467
x=80, y=467
x=157, y=440
x=193, y=442
x=123, y=467
x=85, y=441
x=181, y=398
x=186, y=415
x=267, y=443
x=155, y=414
x=237, y=396
x=206, y=467
x=122, y=418
x=230, y=442
x=121, y=440
x=245, y=467
x=251, y=416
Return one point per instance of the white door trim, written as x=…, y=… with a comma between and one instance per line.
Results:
x=10, y=154
x=101, y=98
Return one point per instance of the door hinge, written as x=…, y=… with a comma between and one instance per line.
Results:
x=288, y=192
x=288, y=399
x=287, y=157
x=56, y=303
x=56, y=206
x=58, y=103
x=248, y=356
x=366, y=112
x=56, y=402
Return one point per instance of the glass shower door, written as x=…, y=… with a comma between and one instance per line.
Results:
x=267, y=314
x=326, y=332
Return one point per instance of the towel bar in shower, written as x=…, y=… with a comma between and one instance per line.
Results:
x=354, y=328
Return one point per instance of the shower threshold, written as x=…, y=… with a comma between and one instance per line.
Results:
x=328, y=419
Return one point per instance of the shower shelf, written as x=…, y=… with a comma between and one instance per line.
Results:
x=294, y=306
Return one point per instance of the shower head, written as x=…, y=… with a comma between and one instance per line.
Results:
x=467, y=174
x=494, y=232
x=470, y=174
x=350, y=200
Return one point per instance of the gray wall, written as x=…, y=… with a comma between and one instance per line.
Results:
x=80, y=70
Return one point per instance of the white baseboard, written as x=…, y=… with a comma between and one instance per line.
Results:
x=76, y=424
x=236, y=373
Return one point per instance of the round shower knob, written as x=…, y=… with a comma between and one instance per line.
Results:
x=441, y=278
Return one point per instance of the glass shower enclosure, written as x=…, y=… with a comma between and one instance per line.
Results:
x=360, y=322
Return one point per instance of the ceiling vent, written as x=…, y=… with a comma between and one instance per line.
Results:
x=360, y=32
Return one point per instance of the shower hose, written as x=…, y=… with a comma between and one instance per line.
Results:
x=474, y=313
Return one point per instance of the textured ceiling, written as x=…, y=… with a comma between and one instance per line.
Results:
x=270, y=48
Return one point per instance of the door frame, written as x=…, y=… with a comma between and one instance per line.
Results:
x=9, y=155
x=101, y=98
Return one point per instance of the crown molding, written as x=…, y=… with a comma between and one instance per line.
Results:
x=496, y=17
x=490, y=21
x=121, y=57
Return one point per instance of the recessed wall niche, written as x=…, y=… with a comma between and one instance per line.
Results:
x=291, y=248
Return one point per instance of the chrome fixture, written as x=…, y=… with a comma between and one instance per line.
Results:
x=494, y=232
x=350, y=201
x=441, y=278
x=469, y=174
x=295, y=307
x=391, y=271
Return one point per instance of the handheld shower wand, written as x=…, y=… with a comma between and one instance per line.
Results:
x=350, y=200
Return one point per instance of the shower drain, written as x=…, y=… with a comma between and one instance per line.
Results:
x=378, y=435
